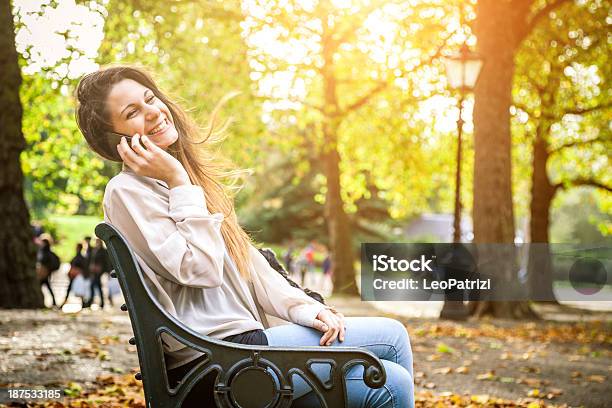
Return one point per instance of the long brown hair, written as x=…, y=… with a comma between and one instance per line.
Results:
x=204, y=167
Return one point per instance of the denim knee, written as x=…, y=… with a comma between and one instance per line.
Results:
x=400, y=337
x=400, y=385
x=399, y=328
x=398, y=391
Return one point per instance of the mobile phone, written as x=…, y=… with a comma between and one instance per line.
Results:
x=115, y=136
x=115, y=139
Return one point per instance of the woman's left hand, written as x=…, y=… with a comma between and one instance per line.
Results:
x=332, y=324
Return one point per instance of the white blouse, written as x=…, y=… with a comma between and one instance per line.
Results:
x=181, y=251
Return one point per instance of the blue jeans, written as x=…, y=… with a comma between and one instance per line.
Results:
x=386, y=338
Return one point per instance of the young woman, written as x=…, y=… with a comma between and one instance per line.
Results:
x=170, y=204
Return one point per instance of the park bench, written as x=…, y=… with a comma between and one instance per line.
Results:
x=247, y=376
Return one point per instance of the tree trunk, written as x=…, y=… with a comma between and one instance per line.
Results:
x=505, y=310
x=493, y=213
x=339, y=228
x=497, y=26
x=19, y=287
x=542, y=193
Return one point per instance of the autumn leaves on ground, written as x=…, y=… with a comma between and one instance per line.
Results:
x=494, y=363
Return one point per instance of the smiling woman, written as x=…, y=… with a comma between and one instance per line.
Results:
x=134, y=109
x=171, y=206
x=126, y=100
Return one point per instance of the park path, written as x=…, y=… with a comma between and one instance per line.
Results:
x=523, y=362
x=565, y=359
x=577, y=311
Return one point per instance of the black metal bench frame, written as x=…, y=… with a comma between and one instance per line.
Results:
x=244, y=376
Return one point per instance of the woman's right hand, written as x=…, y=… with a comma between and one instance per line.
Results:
x=330, y=322
x=152, y=162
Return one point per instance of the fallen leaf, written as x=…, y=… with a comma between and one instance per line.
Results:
x=597, y=378
x=444, y=348
x=462, y=370
x=419, y=332
x=533, y=393
x=73, y=390
x=488, y=376
x=481, y=399
x=532, y=382
x=91, y=352
x=105, y=379
x=443, y=370
x=103, y=355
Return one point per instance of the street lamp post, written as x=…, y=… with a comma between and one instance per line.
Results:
x=457, y=217
x=462, y=72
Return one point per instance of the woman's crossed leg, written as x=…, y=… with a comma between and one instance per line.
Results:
x=386, y=338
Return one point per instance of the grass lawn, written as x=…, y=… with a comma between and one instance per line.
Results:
x=72, y=229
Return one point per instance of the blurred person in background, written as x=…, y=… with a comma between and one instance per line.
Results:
x=99, y=265
x=47, y=262
x=78, y=264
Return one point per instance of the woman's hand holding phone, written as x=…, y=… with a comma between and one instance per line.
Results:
x=152, y=161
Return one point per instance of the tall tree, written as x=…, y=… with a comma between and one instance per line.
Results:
x=563, y=87
x=19, y=287
x=345, y=65
x=501, y=27
x=183, y=44
x=62, y=175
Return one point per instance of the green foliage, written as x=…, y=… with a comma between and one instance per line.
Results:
x=69, y=230
x=376, y=58
x=185, y=46
x=62, y=175
x=395, y=159
x=283, y=207
x=577, y=219
x=562, y=94
x=196, y=52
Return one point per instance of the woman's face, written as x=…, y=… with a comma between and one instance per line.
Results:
x=134, y=108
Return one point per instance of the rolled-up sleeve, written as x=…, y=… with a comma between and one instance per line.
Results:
x=278, y=298
x=178, y=238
